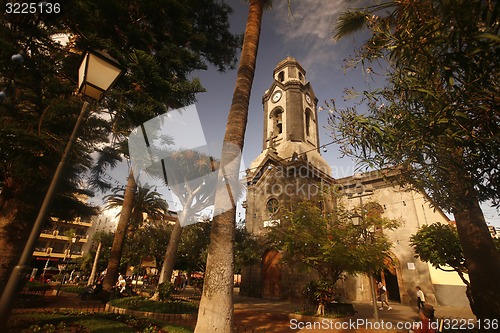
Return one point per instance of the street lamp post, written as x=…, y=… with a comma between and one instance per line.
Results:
x=97, y=74
x=359, y=189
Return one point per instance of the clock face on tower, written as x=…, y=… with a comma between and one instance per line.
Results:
x=276, y=96
x=308, y=99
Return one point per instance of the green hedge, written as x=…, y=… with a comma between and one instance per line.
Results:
x=146, y=305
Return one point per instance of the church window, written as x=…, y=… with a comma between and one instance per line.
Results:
x=301, y=76
x=308, y=122
x=277, y=121
x=281, y=76
x=272, y=205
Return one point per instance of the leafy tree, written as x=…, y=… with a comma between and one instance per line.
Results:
x=307, y=239
x=247, y=249
x=36, y=119
x=149, y=240
x=216, y=305
x=437, y=118
x=160, y=42
x=192, y=251
x=440, y=245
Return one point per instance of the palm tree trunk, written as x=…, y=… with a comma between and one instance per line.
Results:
x=216, y=307
x=119, y=239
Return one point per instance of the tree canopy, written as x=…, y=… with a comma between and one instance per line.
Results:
x=306, y=238
x=159, y=42
x=437, y=118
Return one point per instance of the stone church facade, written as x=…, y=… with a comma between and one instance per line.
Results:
x=291, y=168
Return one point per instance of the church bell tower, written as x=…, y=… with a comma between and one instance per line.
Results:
x=289, y=169
x=290, y=117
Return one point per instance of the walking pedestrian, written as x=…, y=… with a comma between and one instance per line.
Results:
x=420, y=298
x=382, y=291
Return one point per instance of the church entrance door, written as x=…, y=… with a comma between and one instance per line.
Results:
x=389, y=277
x=271, y=274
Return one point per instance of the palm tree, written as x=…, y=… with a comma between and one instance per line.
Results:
x=146, y=201
x=216, y=307
x=134, y=201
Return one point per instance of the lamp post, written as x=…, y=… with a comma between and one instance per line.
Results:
x=360, y=191
x=97, y=74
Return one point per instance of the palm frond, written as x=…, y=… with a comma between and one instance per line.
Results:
x=349, y=23
x=107, y=159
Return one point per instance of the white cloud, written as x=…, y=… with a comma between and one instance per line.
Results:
x=310, y=29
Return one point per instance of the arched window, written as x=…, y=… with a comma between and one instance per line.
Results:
x=308, y=122
x=277, y=121
x=281, y=76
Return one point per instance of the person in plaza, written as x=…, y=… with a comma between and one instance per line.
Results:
x=420, y=298
x=92, y=290
x=382, y=291
x=178, y=283
x=121, y=283
x=426, y=325
x=128, y=290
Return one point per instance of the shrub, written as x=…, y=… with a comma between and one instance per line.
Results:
x=165, y=289
x=143, y=304
x=320, y=291
x=34, y=286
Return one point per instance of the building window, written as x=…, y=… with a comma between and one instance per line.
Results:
x=281, y=76
x=301, y=77
x=272, y=206
x=277, y=121
x=308, y=122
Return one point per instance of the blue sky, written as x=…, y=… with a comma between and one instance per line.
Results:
x=307, y=37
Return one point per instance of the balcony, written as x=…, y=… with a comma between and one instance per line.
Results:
x=76, y=221
x=54, y=235
x=48, y=252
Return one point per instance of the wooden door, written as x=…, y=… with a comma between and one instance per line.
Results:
x=271, y=275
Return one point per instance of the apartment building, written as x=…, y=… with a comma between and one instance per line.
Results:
x=60, y=242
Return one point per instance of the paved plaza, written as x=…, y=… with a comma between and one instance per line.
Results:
x=263, y=315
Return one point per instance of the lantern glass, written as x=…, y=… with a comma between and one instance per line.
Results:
x=97, y=74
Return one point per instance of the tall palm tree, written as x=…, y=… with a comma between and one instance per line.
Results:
x=134, y=201
x=145, y=201
x=216, y=307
